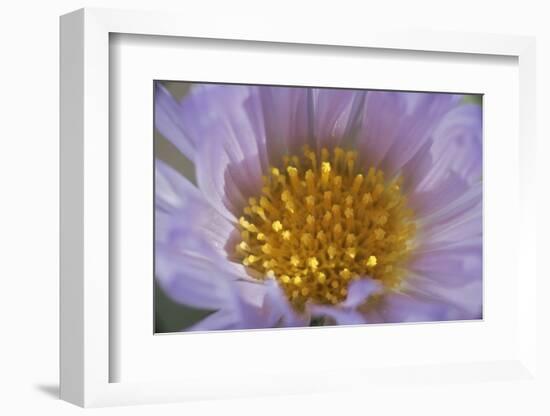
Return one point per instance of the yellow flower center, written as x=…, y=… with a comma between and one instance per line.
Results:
x=320, y=222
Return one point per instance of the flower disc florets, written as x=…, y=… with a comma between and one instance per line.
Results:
x=321, y=222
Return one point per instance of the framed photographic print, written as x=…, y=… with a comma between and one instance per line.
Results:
x=258, y=212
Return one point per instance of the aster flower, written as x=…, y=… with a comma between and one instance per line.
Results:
x=320, y=206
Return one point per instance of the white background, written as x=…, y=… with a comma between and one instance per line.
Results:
x=29, y=207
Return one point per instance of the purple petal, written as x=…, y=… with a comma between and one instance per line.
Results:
x=222, y=181
x=359, y=291
x=448, y=190
x=278, y=311
x=287, y=113
x=451, y=267
x=457, y=146
x=231, y=114
x=217, y=321
x=448, y=265
x=341, y=316
x=417, y=168
x=406, y=307
x=396, y=125
x=262, y=305
x=192, y=281
x=189, y=277
x=346, y=313
x=179, y=206
x=239, y=316
x=173, y=191
x=184, y=258
x=336, y=115
x=316, y=117
x=465, y=300
x=457, y=221
x=173, y=121
x=231, y=156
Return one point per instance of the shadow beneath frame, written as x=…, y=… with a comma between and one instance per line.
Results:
x=51, y=390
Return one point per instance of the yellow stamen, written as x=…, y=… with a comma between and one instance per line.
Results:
x=277, y=226
x=295, y=261
x=312, y=263
x=371, y=262
x=336, y=214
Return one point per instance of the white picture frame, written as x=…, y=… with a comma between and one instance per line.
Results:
x=86, y=292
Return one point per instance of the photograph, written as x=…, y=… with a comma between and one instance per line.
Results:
x=297, y=206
